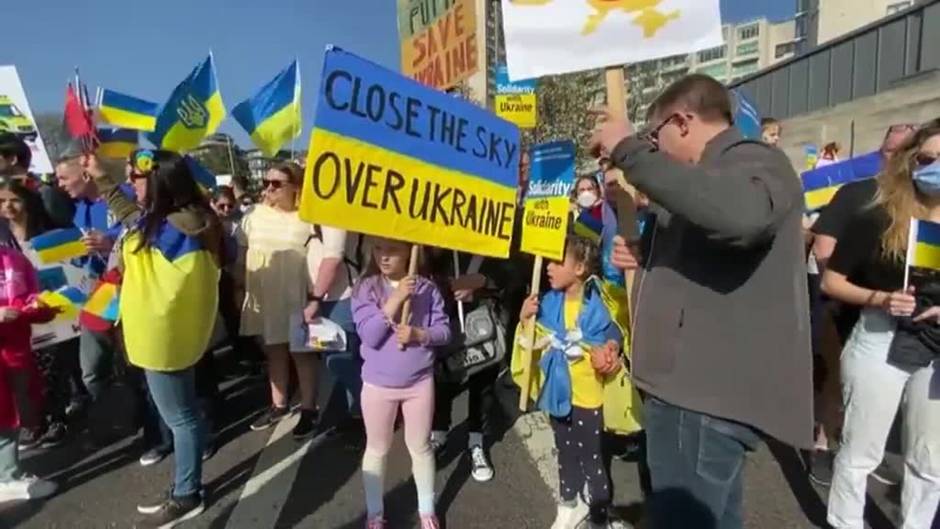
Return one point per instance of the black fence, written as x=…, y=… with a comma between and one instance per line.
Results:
x=865, y=62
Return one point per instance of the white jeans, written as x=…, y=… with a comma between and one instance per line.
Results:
x=872, y=390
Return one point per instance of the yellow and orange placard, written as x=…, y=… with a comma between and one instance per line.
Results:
x=438, y=41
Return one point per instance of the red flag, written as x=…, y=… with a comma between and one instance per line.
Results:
x=78, y=119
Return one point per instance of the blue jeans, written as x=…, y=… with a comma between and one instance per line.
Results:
x=346, y=365
x=696, y=463
x=174, y=394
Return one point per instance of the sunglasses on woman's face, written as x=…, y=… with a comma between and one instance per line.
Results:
x=274, y=184
x=924, y=159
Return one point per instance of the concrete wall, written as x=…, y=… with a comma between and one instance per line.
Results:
x=860, y=125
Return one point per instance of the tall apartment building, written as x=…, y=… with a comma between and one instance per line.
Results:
x=820, y=21
x=748, y=47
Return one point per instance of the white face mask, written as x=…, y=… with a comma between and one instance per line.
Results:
x=587, y=199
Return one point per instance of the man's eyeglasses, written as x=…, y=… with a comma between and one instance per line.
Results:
x=274, y=184
x=225, y=206
x=653, y=135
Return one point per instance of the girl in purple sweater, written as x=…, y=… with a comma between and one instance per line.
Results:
x=398, y=371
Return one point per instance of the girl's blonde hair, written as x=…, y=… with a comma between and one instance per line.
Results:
x=897, y=194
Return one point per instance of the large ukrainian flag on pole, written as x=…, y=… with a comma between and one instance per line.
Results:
x=272, y=115
x=193, y=111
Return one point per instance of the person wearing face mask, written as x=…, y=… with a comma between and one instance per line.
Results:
x=587, y=196
x=881, y=368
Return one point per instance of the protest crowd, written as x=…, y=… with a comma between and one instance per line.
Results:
x=683, y=299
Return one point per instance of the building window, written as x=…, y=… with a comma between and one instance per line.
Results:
x=784, y=49
x=718, y=71
x=749, y=32
x=898, y=6
x=749, y=48
x=712, y=54
x=744, y=68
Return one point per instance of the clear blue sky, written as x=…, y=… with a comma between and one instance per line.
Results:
x=145, y=49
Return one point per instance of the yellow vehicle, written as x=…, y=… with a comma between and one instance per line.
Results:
x=13, y=120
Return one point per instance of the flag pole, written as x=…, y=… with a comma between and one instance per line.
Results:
x=626, y=203
x=295, y=132
x=231, y=154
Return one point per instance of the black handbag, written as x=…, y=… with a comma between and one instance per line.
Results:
x=480, y=346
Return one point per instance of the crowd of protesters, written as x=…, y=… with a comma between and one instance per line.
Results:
x=749, y=319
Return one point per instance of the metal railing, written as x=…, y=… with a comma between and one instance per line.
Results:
x=870, y=60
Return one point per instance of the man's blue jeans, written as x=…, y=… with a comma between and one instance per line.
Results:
x=696, y=463
x=174, y=394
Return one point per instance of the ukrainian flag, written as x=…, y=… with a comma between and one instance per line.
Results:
x=127, y=111
x=169, y=299
x=925, y=250
x=589, y=227
x=193, y=111
x=272, y=116
x=201, y=175
x=820, y=185
x=116, y=143
x=59, y=245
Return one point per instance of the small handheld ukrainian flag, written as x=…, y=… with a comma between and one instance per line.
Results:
x=126, y=111
x=272, y=116
x=193, y=111
x=116, y=143
x=923, y=250
x=59, y=245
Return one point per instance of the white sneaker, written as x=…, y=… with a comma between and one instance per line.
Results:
x=482, y=468
x=27, y=487
x=569, y=517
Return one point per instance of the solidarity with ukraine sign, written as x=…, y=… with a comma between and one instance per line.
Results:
x=547, y=203
x=392, y=158
x=515, y=102
x=550, y=37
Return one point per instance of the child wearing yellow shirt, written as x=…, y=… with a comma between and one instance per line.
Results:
x=573, y=326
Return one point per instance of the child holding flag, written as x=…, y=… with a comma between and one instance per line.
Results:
x=398, y=371
x=20, y=380
x=578, y=343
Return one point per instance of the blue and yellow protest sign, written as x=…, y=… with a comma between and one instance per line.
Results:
x=548, y=200
x=516, y=102
x=821, y=184
x=393, y=158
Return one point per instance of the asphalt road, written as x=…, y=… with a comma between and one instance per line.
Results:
x=266, y=480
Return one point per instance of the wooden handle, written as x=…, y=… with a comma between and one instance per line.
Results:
x=616, y=91
x=529, y=329
x=412, y=271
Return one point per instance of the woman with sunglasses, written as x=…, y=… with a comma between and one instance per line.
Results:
x=867, y=270
x=275, y=242
x=170, y=258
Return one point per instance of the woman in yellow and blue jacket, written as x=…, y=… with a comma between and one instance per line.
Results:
x=170, y=260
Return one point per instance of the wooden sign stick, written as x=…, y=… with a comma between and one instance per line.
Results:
x=529, y=329
x=412, y=271
x=626, y=205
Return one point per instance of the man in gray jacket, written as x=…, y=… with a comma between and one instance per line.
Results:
x=721, y=341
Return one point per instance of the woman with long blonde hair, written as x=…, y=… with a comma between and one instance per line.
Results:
x=867, y=270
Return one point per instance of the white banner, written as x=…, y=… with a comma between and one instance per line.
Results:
x=16, y=117
x=551, y=37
